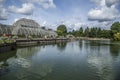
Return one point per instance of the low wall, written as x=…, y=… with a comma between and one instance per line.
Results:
x=26, y=42
x=7, y=47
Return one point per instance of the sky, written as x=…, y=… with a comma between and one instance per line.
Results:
x=51, y=13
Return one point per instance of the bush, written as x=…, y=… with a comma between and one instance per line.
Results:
x=117, y=36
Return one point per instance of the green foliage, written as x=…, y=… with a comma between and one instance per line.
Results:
x=6, y=41
x=117, y=36
x=95, y=32
x=1, y=42
x=62, y=30
x=115, y=28
x=86, y=32
x=15, y=37
x=81, y=32
x=92, y=33
x=105, y=34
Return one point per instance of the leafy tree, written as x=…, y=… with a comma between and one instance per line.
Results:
x=86, y=32
x=62, y=30
x=117, y=36
x=92, y=32
x=115, y=28
x=75, y=33
x=81, y=31
x=105, y=33
x=99, y=32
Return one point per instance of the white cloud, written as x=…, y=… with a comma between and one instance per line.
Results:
x=103, y=12
x=16, y=19
x=27, y=9
x=44, y=3
x=47, y=4
x=44, y=23
x=3, y=12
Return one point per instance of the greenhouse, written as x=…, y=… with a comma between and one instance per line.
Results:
x=26, y=27
x=5, y=29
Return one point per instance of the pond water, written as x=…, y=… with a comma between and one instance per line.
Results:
x=78, y=60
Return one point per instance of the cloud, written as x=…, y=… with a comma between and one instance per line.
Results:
x=112, y=2
x=3, y=12
x=26, y=9
x=103, y=12
x=44, y=3
x=47, y=4
x=2, y=1
x=106, y=2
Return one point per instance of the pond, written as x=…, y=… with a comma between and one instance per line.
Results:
x=77, y=60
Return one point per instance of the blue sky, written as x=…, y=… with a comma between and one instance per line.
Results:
x=72, y=13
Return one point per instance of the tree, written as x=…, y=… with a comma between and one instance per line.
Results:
x=99, y=32
x=81, y=31
x=61, y=30
x=86, y=32
x=92, y=32
x=105, y=34
x=115, y=28
x=75, y=33
x=117, y=36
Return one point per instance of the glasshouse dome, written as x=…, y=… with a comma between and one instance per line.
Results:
x=25, y=27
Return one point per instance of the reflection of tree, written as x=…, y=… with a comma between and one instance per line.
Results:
x=94, y=47
x=5, y=56
x=80, y=44
x=4, y=68
x=95, y=43
x=114, y=49
x=100, y=60
x=102, y=66
x=61, y=46
x=3, y=62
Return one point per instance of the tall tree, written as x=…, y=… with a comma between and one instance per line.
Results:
x=99, y=32
x=81, y=31
x=115, y=28
x=86, y=32
x=92, y=32
x=62, y=30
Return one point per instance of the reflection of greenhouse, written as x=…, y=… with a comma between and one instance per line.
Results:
x=24, y=27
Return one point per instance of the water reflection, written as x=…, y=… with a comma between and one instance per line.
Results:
x=61, y=46
x=36, y=72
x=100, y=60
x=23, y=54
x=79, y=60
x=81, y=44
x=115, y=49
x=4, y=65
x=27, y=52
